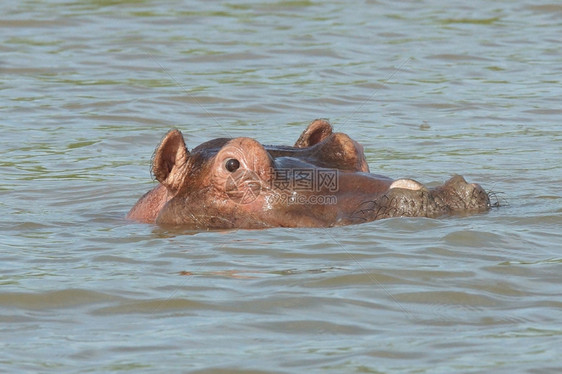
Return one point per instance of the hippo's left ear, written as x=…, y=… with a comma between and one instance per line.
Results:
x=169, y=165
x=318, y=130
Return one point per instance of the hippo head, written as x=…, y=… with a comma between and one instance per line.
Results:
x=323, y=180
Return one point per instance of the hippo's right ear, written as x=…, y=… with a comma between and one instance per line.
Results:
x=169, y=164
x=318, y=130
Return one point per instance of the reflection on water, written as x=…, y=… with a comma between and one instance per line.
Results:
x=89, y=88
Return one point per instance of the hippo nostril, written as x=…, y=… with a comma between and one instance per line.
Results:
x=232, y=165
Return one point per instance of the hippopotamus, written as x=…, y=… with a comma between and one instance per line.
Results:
x=323, y=180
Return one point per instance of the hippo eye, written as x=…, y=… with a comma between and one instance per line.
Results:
x=232, y=165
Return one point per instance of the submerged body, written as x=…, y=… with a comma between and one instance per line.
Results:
x=322, y=181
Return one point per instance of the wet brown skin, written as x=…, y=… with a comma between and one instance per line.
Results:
x=240, y=183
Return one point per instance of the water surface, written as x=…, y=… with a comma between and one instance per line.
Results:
x=87, y=90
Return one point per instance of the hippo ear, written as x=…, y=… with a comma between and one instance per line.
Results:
x=318, y=130
x=169, y=165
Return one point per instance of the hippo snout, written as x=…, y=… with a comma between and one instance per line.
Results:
x=458, y=195
x=409, y=198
